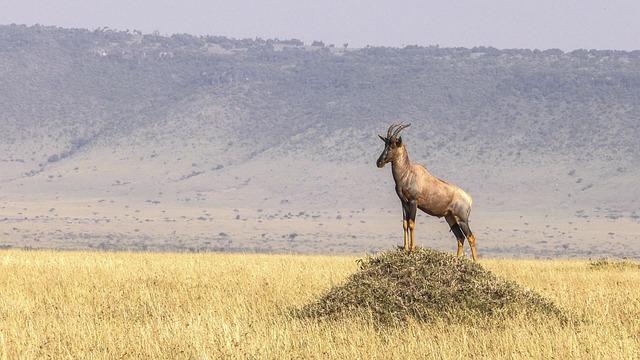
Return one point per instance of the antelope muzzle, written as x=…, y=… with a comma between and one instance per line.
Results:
x=382, y=160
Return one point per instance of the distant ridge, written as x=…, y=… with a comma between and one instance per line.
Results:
x=276, y=124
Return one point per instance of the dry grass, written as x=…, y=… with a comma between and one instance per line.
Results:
x=150, y=305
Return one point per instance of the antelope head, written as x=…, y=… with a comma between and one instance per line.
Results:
x=391, y=144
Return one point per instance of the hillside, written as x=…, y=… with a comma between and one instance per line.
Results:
x=127, y=140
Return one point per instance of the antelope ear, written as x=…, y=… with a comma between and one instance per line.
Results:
x=399, y=141
x=381, y=138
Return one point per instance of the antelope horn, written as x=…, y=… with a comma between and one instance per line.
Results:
x=390, y=131
x=400, y=128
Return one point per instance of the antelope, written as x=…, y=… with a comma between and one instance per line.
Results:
x=418, y=189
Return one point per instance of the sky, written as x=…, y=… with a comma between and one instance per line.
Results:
x=503, y=24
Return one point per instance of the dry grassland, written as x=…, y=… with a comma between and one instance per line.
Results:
x=207, y=306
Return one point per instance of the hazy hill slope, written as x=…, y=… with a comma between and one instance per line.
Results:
x=66, y=89
x=270, y=123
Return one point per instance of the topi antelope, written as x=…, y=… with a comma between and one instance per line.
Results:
x=418, y=189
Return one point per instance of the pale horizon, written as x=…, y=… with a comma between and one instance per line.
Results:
x=566, y=25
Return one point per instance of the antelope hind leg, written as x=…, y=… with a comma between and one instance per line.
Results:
x=459, y=236
x=472, y=242
x=471, y=238
x=455, y=228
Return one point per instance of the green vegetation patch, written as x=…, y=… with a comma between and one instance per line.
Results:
x=394, y=287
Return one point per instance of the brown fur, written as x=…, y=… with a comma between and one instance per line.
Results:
x=418, y=189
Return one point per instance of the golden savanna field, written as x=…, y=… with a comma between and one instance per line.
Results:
x=111, y=305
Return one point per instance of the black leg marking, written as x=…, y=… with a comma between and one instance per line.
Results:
x=457, y=231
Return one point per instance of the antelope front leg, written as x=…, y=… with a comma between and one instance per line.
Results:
x=405, y=225
x=413, y=209
x=405, y=228
x=412, y=225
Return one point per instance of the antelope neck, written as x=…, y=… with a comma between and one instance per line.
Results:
x=400, y=165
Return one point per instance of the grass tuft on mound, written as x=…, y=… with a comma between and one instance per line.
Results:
x=395, y=286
